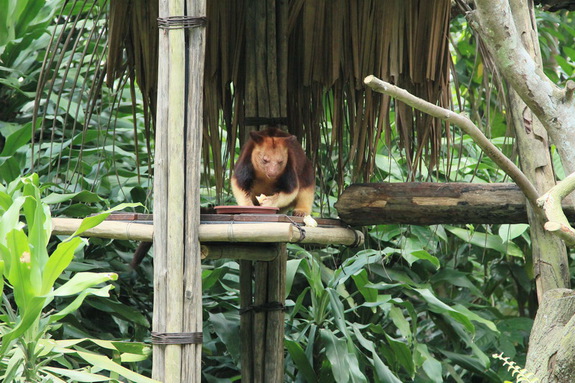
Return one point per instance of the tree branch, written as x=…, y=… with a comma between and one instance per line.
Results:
x=553, y=106
x=467, y=126
x=551, y=203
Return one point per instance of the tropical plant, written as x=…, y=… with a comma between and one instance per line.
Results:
x=29, y=277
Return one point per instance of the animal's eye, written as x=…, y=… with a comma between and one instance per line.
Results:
x=265, y=160
x=280, y=162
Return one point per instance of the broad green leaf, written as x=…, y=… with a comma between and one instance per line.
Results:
x=416, y=255
x=291, y=269
x=18, y=136
x=90, y=222
x=58, y=262
x=344, y=364
x=439, y=307
x=396, y=315
x=302, y=363
x=431, y=366
x=383, y=372
x=105, y=363
x=509, y=232
x=226, y=327
x=337, y=311
x=474, y=317
x=361, y=280
x=483, y=240
x=81, y=281
x=77, y=376
x=402, y=354
x=83, y=196
x=77, y=302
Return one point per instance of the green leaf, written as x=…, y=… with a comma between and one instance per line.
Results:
x=16, y=136
x=302, y=363
x=344, y=365
x=402, y=354
x=90, y=222
x=396, y=316
x=77, y=376
x=76, y=303
x=383, y=372
x=82, y=281
x=83, y=196
x=226, y=327
x=420, y=255
x=105, y=363
x=58, y=262
x=483, y=240
x=431, y=366
x=510, y=232
x=291, y=270
x=438, y=306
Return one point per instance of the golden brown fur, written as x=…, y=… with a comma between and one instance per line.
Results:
x=273, y=163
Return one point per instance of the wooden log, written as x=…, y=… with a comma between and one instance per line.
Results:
x=433, y=203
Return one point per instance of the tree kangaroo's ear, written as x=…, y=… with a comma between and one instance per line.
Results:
x=258, y=137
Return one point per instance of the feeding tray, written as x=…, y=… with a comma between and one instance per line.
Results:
x=246, y=209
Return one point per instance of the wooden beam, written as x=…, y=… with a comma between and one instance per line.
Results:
x=434, y=203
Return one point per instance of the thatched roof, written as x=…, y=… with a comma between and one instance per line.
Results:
x=301, y=63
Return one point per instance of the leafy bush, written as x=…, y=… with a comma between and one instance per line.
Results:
x=29, y=282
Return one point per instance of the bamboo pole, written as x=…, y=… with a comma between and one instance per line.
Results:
x=242, y=251
x=160, y=191
x=269, y=232
x=174, y=200
x=192, y=307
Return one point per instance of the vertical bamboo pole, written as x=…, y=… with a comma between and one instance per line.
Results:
x=177, y=272
x=192, y=265
x=160, y=194
x=274, y=353
x=246, y=320
x=175, y=195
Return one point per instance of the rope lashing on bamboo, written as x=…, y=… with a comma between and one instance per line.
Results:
x=358, y=240
x=264, y=308
x=271, y=121
x=301, y=229
x=181, y=22
x=177, y=338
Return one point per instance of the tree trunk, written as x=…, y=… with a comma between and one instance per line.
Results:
x=551, y=354
x=549, y=252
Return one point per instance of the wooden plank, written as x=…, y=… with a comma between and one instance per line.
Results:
x=434, y=203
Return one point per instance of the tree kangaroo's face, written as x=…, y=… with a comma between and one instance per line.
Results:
x=270, y=157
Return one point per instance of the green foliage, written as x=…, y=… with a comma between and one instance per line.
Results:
x=421, y=304
x=29, y=275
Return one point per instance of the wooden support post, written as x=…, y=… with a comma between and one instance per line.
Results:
x=263, y=319
x=177, y=271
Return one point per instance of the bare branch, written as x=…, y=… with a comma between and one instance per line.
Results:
x=467, y=126
x=551, y=204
